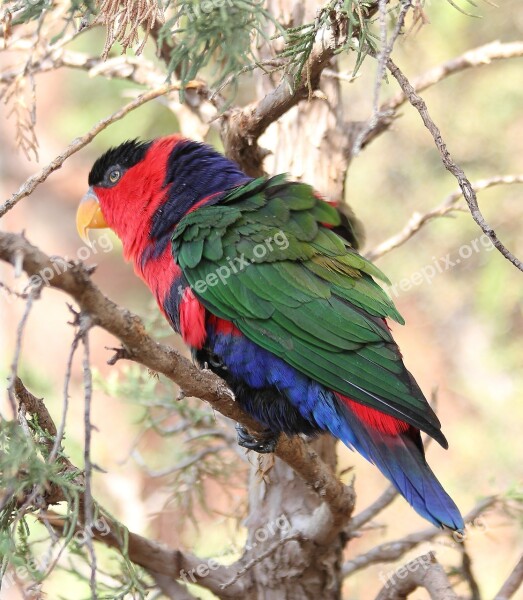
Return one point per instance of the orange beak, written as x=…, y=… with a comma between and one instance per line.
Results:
x=89, y=216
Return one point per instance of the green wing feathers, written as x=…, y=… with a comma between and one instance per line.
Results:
x=300, y=291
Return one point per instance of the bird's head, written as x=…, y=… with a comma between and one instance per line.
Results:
x=142, y=189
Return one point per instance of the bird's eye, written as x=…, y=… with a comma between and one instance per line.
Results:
x=114, y=175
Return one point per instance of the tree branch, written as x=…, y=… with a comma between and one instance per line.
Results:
x=512, y=584
x=74, y=279
x=425, y=572
x=241, y=128
x=477, y=57
x=371, y=511
x=391, y=551
x=468, y=192
x=418, y=220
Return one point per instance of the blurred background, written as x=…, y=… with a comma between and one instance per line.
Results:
x=464, y=324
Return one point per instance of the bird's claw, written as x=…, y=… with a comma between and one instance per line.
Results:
x=265, y=445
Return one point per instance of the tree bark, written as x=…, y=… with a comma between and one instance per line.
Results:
x=308, y=143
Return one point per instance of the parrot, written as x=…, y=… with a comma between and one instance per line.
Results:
x=263, y=280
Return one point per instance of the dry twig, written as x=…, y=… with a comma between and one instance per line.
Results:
x=512, y=584
x=77, y=144
x=391, y=551
x=449, y=205
x=468, y=191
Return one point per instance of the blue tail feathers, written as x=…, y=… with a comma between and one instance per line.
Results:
x=402, y=460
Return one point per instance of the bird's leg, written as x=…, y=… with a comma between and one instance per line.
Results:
x=264, y=445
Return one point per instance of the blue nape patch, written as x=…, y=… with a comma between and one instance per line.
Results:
x=194, y=172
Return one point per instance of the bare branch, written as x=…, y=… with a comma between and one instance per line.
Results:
x=477, y=57
x=468, y=192
x=77, y=144
x=138, y=70
x=512, y=584
x=422, y=572
x=383, y=56
x=417, y=220
x=13, y=377
x=141, y=348
x=391, y=551
x=371, y=511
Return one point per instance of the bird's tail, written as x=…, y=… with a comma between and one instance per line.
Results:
x=396, y=449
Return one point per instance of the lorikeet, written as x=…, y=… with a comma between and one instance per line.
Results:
x=260, y=278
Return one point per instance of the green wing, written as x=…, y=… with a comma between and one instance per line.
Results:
x=265, y=259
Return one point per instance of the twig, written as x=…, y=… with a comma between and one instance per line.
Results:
x=65, y=405
x=85, y=324
x=161, y=358
x=483, y=55
x=34, y=293
x=468, y=192
x=392, y=551
x=425, y=572
x=371, y=511
x=383, y=57
x=477, y=57
x=512, y=584
x=417, y=220
x=181, y=465
x=468, y=574
x=77, y=144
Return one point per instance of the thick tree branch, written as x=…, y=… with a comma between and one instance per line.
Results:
x=74, y=279
x=468, y=191
x=512, y=584
x=241, y=128
x=422, y=572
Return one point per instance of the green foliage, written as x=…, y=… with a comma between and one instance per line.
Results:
x=24, y=11
x=26, y=476
x=25, y=546
x=348, y=15
x=214, y=32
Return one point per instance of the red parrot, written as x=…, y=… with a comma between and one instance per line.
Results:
x=262, y=280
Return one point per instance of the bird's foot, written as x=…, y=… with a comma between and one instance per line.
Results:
x=264, y=445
